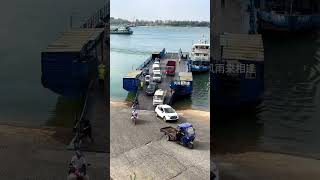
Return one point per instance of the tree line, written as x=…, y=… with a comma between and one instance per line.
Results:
x=119, y=21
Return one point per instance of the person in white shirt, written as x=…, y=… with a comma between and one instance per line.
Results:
x=79, y=164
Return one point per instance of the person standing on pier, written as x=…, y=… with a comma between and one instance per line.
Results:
x=101, y=74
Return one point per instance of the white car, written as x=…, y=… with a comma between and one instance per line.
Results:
x=147, y=79
x=157, y=77
x=157, y=61
x=158, y=97
x=166, y=112
x=156, y=68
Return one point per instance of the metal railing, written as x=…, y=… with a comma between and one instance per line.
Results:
x=99, y=18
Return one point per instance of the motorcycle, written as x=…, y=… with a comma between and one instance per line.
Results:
x=77, y=174
x=134, y=116
x=83, y=131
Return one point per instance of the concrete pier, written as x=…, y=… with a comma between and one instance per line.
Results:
x=142, y=150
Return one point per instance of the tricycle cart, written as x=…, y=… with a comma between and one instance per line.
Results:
x=183, y=134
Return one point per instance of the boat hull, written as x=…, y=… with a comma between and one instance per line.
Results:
x=67, y=75
x=181, y=90
x=237, y=91
x=287, y=23
x=200, y=68
x=123, y=33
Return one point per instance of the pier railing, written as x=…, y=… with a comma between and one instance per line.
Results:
x=98, y=19
x=149, y=60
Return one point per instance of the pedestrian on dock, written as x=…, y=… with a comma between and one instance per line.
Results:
x=101, y=74
x=135, y=105
x=87, y=129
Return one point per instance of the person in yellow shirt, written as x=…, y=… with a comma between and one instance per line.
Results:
x=101, y=73
x=141, y=84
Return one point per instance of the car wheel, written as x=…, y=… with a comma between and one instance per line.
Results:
x=164, y=119
x=190, y=145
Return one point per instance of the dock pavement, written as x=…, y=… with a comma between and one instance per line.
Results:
x=142, y=150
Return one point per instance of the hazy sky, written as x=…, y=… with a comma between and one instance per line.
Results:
x=161, y=9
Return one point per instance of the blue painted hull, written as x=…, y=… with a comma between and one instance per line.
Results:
x=181, y=90
x=233, y=92
x=287, y=23
x=131, y=84
x=67, y=74
x=200, y=68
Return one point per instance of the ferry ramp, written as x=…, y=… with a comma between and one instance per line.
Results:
x=145, y=101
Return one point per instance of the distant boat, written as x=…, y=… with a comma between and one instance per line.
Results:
x=288, y=16
x=126, y=30
x=199, y=56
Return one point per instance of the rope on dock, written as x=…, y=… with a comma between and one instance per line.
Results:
x=83, y=113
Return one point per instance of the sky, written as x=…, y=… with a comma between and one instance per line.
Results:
x=196, y=10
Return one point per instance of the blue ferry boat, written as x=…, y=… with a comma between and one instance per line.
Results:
x=70, y=63
x=182, y=86
x=288, y=16
x=238, y=77
x=131, y=82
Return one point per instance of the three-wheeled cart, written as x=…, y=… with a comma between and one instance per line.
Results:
x=183, y=134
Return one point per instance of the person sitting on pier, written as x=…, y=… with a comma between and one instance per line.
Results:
x=87, y=129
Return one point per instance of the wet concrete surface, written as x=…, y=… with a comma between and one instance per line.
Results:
x=142, y=150
x=35, y=153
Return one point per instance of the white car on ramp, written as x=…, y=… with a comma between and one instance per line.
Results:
x=166, y=112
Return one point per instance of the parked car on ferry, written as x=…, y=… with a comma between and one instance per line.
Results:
x=147, y=79
x=157, y=77
x=151, y=89
x=171, y=68
x=156, y=68
x=158, y=97
x=145, y=71
x=166, y=112
x=157, y=61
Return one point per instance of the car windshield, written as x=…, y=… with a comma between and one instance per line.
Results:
x=157, y=75
x=156, y=68
x=190, y=130
x=170, y=68
x=169, y=110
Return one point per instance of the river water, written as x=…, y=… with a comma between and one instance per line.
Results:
x=26, y=28
x=128, y=52
x=288, y=120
